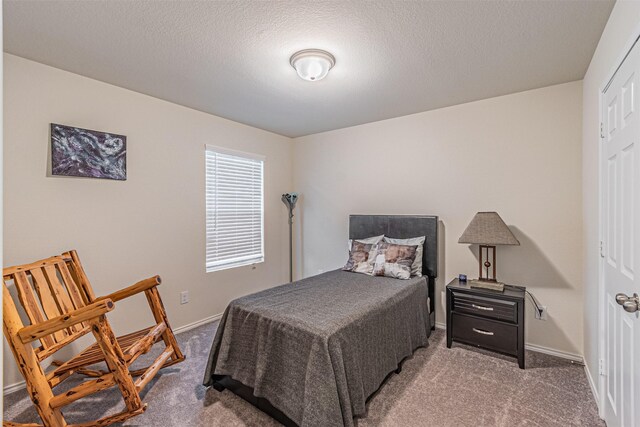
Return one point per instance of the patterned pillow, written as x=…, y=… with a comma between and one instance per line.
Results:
x=373, y=240
x=416, y=268
x=393, y=260
x=361, y=258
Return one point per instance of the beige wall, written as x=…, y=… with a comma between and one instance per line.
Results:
x=623, y=24
x=518, y=154
x=152, y=223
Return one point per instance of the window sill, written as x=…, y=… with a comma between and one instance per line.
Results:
x=234, y=265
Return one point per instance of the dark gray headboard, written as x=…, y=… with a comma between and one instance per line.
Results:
x=404, y=227
x=401, y=227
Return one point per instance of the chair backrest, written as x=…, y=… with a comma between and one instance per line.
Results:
x=50, y=288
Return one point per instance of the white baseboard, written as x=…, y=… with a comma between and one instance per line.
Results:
x=13, y=387
x=558, y=353
x=20, y=385
x=540, y=349
x=594, y=389
x=197, y=323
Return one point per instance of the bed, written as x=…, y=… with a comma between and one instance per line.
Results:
x=312, y=352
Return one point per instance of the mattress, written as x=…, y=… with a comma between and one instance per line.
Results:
x=316, y=349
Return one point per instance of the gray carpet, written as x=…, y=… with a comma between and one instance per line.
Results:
x=461, y=386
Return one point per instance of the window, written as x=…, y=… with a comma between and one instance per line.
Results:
x=235, y=214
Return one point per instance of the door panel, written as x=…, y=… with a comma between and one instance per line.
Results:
x=627, y=195
x=612, y=210
x=613, y=117
x=628, y=102
x=626, y=363
x=612, y=378
x=621, y=240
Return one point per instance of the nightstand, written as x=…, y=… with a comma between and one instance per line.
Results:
x=487, y=319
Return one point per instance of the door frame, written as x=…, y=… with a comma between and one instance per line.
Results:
x=624, y=52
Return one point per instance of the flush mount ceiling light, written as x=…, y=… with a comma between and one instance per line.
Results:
x=312, y=64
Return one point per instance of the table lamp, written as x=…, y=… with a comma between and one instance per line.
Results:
x=488, y=230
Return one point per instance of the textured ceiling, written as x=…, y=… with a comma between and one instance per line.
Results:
x=231, y=58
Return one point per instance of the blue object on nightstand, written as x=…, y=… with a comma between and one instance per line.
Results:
x=462, y=278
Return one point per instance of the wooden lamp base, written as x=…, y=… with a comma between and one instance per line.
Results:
x=484, y=284
x=486, y=280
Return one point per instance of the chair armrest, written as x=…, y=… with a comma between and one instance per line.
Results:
x=48, y=327
x=141, y=286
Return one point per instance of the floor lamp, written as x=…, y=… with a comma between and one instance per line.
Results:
x=290, y=199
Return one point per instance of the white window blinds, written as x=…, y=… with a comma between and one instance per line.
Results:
x=235, y=217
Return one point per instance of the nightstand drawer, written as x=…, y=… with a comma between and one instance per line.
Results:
x=485, y=307
x=485, y=333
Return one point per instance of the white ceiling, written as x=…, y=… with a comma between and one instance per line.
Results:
x=231, y=58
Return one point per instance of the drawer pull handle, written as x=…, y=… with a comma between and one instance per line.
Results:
x=480, y=331
x=481, y=307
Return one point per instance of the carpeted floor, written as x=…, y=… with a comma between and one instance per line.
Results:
x=461, y=386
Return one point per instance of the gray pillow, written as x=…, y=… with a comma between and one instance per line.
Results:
x=416, y=267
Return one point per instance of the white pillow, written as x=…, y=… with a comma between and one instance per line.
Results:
x=372, y=240
x=416, y=267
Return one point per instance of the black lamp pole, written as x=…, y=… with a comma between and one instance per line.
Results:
x=290, y=199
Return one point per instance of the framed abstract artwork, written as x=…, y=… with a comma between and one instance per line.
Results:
x=88, y=153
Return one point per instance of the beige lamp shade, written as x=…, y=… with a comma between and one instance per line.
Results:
x=487, y=228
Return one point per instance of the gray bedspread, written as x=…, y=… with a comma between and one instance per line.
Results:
x=318, y=348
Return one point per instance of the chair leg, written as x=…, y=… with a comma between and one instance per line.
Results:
x=138, y=372
x=114, y=358
x=12, y=424
x=29, y=366
x=38, y=387
x=160, y=315
x=94, y=373
x=117, y=418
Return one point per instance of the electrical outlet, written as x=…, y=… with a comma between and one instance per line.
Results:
x=542, y=313
x=184, y=297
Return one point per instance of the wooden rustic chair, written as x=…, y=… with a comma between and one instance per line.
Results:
x=59, y=302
